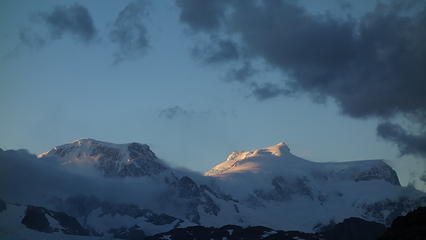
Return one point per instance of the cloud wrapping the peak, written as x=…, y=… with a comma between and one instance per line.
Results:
x=373, y=66
x=24, y=178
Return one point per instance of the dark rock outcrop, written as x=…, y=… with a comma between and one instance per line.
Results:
x=81, y=206
x=383, y=172
x=36, y=218
x=3, y=205
x=354, y=229
x=133, y=233
x=409, y=227
x=232, y=232
x=350, y=229
x=394, y=208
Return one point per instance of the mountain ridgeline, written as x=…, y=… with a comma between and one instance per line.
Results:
x=268, y=187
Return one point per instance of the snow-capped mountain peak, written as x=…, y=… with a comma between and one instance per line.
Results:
x=132, y=159
x=269, y=177
x=279, y=149
x=277, y=160
x=255, y=160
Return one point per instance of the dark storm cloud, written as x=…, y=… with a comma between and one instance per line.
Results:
x=242, y=73
x=202, y=15
x=371, y=67
x=217, y=51
x=266, y=91
x=407, y=143
x=129, y=32
x=174, y=112
x=75, y=20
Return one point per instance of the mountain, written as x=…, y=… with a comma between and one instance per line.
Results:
x=134, y=160
x=271, y=183
x=256, y=187
x=120, y=160
x=277, y=160
x=270, y=187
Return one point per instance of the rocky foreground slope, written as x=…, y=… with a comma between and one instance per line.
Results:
x=38, y=222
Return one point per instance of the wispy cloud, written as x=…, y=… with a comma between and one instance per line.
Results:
x=129, y=32
x=175, y=112
x=74, y=20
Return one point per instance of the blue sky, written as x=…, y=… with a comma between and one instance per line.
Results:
x=70, y=89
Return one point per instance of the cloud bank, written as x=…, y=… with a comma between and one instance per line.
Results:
x=371, y=67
